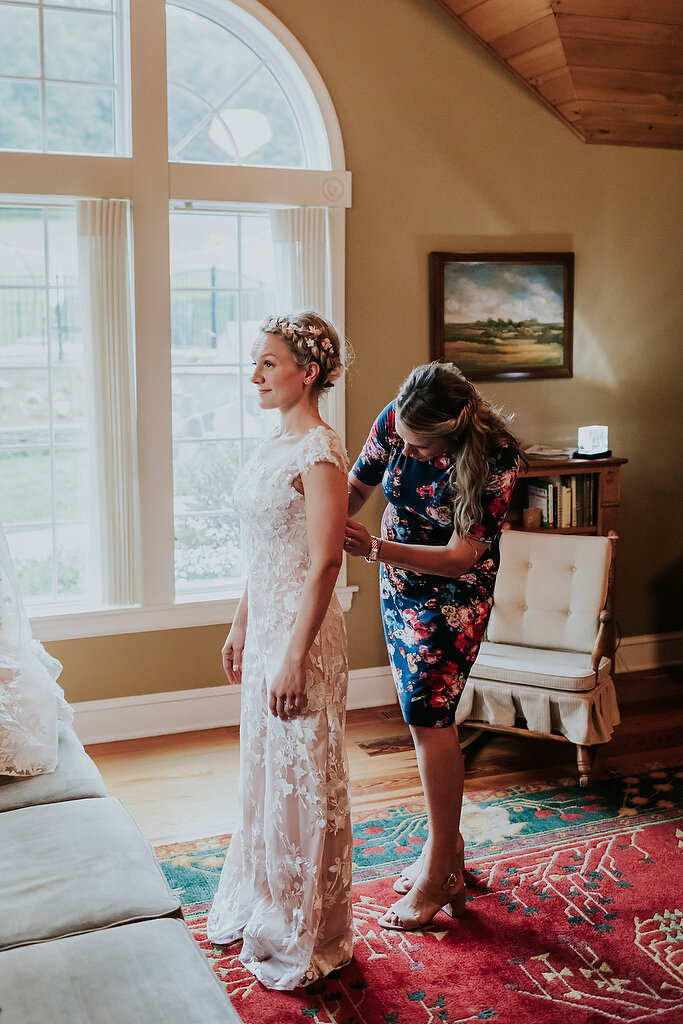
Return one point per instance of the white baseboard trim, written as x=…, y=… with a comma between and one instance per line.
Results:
x=209, y=707
x=644, y=653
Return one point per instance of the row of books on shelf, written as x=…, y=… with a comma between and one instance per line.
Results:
x=564, y=500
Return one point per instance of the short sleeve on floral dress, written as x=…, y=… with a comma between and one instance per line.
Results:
x=433, y=625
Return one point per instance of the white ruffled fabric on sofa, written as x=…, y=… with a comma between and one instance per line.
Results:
x=542, y=659
x=31, y=700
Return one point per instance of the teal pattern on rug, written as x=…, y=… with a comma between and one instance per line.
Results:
x=383, y=845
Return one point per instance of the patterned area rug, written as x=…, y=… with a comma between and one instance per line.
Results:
x=575, y=906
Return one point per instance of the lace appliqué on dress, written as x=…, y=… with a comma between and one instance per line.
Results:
x=285, y=888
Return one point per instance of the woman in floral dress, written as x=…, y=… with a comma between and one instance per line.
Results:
x=447, y=465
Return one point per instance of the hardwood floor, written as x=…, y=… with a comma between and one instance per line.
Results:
x=185, y=786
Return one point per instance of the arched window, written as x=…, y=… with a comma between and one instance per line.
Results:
x=230, y=206
x=235, y=95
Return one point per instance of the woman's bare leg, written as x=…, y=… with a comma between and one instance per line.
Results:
x=442, y=773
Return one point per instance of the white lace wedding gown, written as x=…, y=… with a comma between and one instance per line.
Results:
x=285, y=887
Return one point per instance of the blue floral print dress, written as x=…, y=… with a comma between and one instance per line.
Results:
x=433, y=624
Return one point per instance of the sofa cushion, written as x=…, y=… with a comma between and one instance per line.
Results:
x=75, y=866
x=74, y=777
x=532, y=666
x=151, y=972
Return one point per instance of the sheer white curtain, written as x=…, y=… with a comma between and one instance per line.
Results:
x=300, y=246
x=105, y=277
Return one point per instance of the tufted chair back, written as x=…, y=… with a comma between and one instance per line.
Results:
x=550, y=590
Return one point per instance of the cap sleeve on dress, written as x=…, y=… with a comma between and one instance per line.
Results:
x=322, y=445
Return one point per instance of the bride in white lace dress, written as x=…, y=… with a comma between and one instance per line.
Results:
x=285, y=888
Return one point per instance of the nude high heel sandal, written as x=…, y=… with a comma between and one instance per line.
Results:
x=405, y=881
x=449, y=897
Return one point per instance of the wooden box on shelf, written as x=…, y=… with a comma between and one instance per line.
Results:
x=601, y=492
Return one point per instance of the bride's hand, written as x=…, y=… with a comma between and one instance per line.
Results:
x=287, y=692
x=233, y=650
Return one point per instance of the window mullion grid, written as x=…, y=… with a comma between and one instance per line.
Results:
x=147, y=191
x=116, y=58
x=240, y=321
x=51, y=435
x=215, y=111
x=92, y=82
x=121, y=72
x=43, y=97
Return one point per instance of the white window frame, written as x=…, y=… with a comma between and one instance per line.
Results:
x=138, y=179
x=121, y=58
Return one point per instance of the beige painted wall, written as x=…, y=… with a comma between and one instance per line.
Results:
x=448, y=152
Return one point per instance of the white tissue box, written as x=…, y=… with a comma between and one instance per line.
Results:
x=592, y=440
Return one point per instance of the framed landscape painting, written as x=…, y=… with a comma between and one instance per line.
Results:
x=503, y=316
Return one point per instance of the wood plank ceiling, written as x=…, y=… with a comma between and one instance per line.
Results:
x=611, y=70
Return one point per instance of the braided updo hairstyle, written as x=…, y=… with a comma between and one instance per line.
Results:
x=310, y=339
x=439, y=401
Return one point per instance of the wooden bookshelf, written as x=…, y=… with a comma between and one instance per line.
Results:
x=606, y=497
x=606, y=484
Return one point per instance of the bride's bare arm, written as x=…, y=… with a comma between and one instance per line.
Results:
x=325, y=490
x=233, y=648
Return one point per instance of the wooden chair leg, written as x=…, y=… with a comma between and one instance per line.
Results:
x=590, y=762
x=583, y=763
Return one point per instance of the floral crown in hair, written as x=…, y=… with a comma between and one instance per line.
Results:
x=292, y=331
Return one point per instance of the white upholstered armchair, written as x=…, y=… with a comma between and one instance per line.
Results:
x=545, y=658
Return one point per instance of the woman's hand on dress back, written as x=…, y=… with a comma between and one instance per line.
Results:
x=287, y=691
x=232, y=652
x=356, y=539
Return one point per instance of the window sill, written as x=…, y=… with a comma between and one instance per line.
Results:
x=111, y=621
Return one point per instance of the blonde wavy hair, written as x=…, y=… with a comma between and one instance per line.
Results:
x=437, y=400
x=310, y=339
